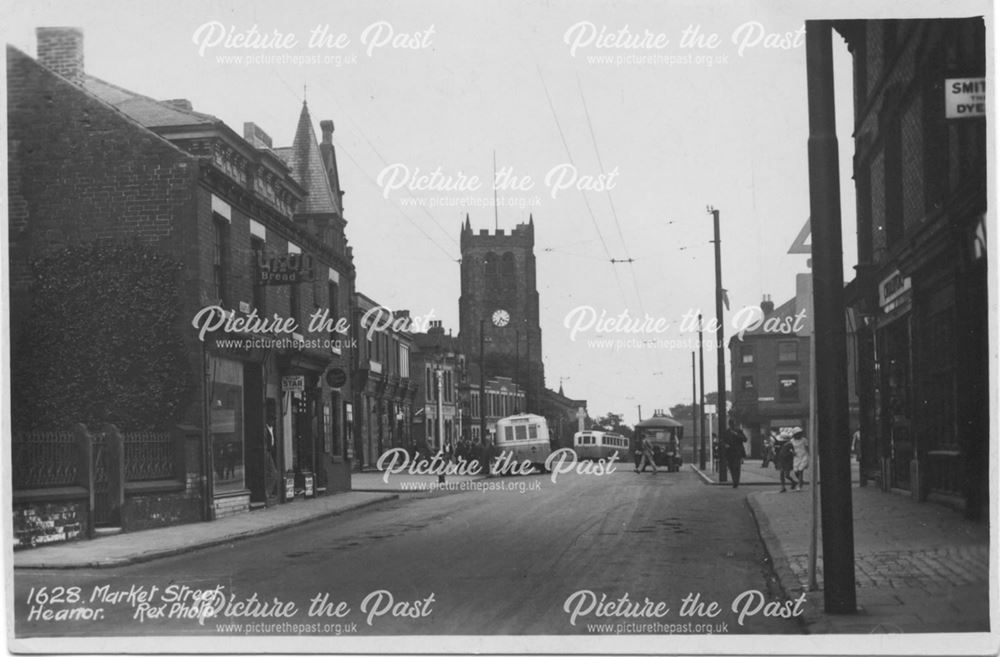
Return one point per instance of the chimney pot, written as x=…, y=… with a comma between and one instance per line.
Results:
x=60, y=49
x=180, y=103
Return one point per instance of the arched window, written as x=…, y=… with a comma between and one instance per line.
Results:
x=491, y=265
x=507, y=265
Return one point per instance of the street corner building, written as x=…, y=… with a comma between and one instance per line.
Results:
x=918, y=307
x=136, y=227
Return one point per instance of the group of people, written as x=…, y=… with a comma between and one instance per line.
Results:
x=789, y=450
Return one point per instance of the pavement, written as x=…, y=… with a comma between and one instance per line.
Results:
x=919, y=567
x=136, y=547
x=376, y=482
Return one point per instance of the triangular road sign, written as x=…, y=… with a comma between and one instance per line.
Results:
x=802, y=243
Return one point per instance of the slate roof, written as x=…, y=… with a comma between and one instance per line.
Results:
x=307, y=167
x=146, y=111
x=787, y=309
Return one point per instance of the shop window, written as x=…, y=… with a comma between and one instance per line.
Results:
x=327, y=429
x=788, y=387
x=226, y=416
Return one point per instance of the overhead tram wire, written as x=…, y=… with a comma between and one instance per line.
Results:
x=384, y=162
x=586, y=201
x=614, y=212
x=450, y=257
x=611, y=202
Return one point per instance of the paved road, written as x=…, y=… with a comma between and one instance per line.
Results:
x=495, y=562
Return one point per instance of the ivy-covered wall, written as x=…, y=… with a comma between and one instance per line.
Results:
x=100, y=342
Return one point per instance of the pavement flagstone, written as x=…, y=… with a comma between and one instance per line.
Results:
x=919, y=567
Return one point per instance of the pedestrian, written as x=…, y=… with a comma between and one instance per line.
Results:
x=733, y=440
x=770, y=444
x=716, y=452
x=647, y=455
x=637, y=456
x=801, y=460
x=785, y=461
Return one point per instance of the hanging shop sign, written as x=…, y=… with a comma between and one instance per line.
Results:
x=293, y=383
x=336, y=377
x=964, y=98
x=891, y=290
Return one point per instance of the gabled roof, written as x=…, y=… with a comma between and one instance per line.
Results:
x=143, y=109
x=787, y=309
x=306, y=163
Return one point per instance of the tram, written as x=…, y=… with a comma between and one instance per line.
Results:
x=525, y=437
x=600, y=445
x=665, y=434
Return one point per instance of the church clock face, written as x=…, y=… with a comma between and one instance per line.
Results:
x=501, y=318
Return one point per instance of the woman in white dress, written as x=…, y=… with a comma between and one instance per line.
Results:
x=801, y=460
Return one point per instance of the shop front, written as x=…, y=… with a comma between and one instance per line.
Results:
x=236, y=427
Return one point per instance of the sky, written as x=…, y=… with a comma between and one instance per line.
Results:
x=615, y=124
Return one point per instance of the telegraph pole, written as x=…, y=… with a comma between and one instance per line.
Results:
x=829, y=339
x=720, y=349
x=517, y=369
x=439, y=376
x=694, y=411
x=482, y=384
x=701, y=400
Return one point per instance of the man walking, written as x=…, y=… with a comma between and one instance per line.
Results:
x=647, y=455
x=733, y=440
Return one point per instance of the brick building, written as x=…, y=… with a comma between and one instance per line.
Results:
x=384, y=391
x=771, y=369
x=438, y=367
x=94, y=164
x=920, y=294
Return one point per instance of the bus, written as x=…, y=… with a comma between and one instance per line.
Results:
x=600, y=445
x=665, y=434
x=525, y=437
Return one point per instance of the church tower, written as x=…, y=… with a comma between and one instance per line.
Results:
x=499, y=295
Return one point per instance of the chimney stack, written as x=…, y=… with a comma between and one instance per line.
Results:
x=180, y=103
x=327, y=128
x=767, y=305
x=60, y=49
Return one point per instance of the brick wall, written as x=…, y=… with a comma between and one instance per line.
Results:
x=231, y=506
x=84, y=169
x=158, y=510
x=61, y=50
x=81, y=171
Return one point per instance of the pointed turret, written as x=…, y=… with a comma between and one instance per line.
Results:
x=306, y=162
